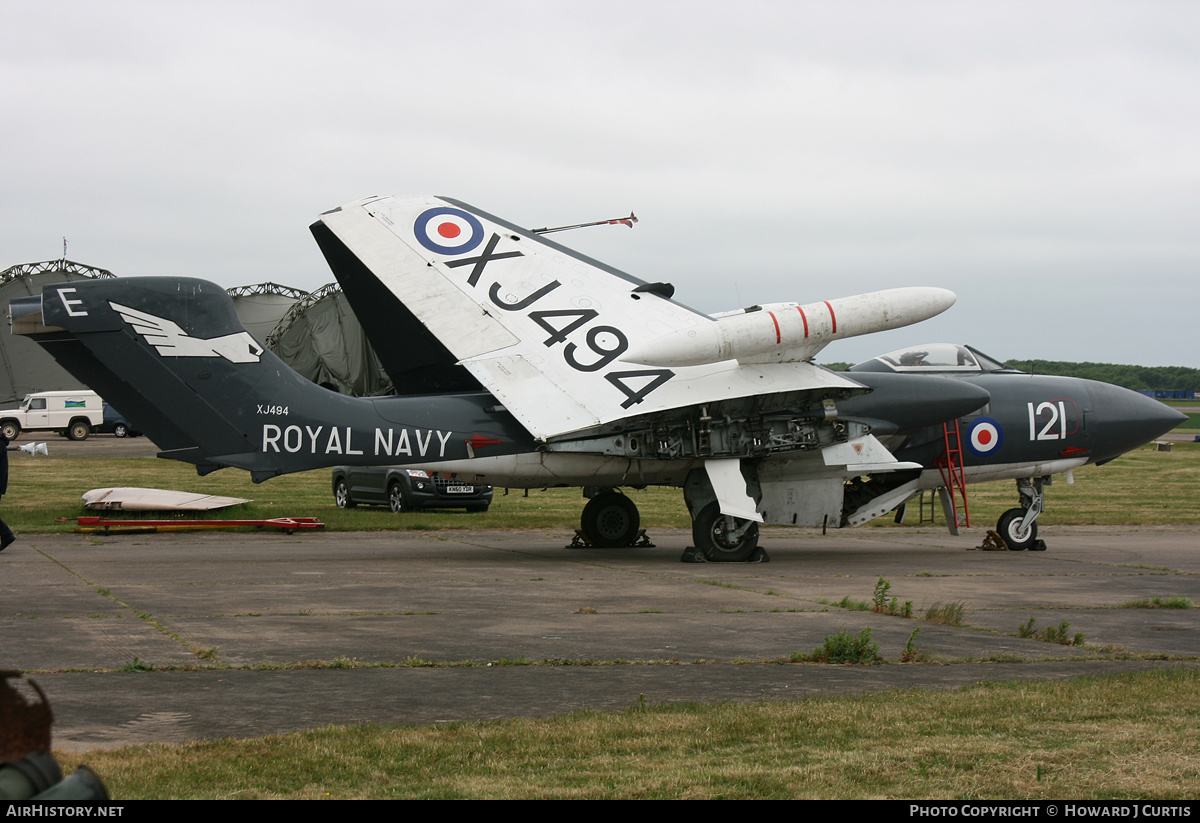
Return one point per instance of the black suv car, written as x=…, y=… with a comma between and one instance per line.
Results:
x=404, y=489
x=115, y=423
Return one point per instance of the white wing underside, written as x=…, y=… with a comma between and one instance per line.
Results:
x=538, y=327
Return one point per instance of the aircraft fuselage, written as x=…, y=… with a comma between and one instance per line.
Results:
x=522, y=363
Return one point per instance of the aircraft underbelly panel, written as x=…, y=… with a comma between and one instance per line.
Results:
x=932, y=478
x=544, y=469
x=802, y=502
x=801, y=490
x=808, y=489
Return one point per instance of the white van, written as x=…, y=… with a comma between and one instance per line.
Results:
x=72, y=414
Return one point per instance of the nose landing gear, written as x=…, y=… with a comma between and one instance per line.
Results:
x=1018, y=527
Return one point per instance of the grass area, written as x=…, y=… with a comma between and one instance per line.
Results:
x=1193, y=421
x=41, y=489
x=1112, y=738
x=1189, y=407
x=1145, y=487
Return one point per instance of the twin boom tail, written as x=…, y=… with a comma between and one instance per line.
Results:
x=220, y=399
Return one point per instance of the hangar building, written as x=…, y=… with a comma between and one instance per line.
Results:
x=316, y=334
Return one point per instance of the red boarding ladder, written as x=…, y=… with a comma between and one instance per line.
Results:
x=954, y=491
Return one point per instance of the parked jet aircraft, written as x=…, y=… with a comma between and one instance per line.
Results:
x=1033, y=427
x=525, y=364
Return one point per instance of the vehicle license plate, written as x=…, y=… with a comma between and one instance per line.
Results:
x=460, y=489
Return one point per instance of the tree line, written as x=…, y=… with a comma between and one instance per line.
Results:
x=1138, y=378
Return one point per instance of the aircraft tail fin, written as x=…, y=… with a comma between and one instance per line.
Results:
x=173, y=356
x=101, y=333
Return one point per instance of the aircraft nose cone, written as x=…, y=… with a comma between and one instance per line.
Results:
x=1126, y=420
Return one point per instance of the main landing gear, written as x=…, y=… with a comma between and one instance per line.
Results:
x=717, y=537
x=1018, y=527
x=610, y=520
x=720, y=537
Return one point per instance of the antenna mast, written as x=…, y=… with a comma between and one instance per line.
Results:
x=623, y=221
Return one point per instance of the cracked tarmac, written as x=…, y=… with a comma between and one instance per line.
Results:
x=254, y=607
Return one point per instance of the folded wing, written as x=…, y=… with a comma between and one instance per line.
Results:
x=545, y=329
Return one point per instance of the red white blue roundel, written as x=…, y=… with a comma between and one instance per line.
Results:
x=984, y=436
x=448, y=231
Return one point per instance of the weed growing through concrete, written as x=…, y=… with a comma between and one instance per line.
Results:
x=1051, y=634
x=949, y=614
x=881, y=604
x=1159, y=603
x=879, y=598
x=843, y=647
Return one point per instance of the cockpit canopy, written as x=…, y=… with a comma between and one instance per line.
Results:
x=935, y=358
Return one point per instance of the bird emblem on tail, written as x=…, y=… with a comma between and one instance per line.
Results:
x=172, y=341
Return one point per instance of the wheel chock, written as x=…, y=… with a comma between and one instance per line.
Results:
x=993, y=542
x=692, y=555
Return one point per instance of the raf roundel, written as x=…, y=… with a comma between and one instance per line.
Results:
x=448, y=231
x=984, y=436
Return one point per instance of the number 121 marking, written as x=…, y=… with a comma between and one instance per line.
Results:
x=1058, y=415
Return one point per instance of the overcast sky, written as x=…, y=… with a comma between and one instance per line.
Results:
x=1042, y=160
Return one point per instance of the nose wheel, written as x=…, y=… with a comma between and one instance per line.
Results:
x=1013, y=531
x=1018, y=527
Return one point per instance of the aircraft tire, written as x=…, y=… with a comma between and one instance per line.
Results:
x=709, y=535
x=1009, y=528
x=610, y=521
x=341, y=495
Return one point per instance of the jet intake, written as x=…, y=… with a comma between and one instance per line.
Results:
x=789, y=332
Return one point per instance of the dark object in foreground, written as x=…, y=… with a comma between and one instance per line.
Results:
x=27, y=769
